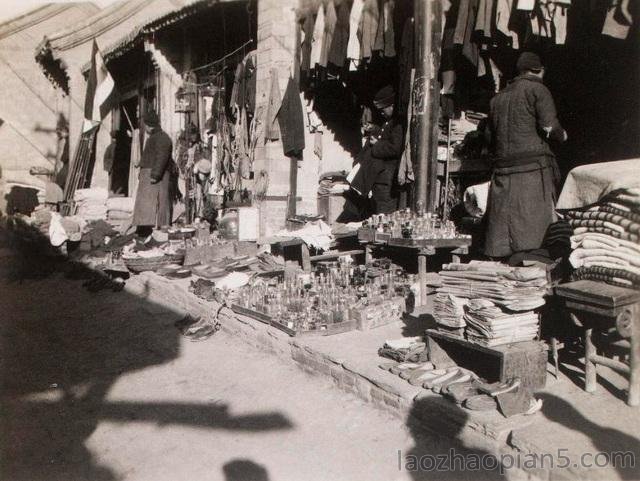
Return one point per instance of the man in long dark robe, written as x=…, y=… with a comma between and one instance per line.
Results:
x=522, y=196
x=386, y=149
x=153, y=203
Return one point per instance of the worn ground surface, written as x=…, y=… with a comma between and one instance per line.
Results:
x=101, y=386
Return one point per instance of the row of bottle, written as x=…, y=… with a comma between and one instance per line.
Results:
x=408, y=224
x=310, y=301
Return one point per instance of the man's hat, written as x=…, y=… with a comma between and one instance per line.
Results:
x=384, y=97
x=528, y=61
x=151, y=118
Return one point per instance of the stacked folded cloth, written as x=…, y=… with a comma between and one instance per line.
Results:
x=91, y=203
x=406, y=349
x=120, y=208
x=606, y=239
x=493, y=302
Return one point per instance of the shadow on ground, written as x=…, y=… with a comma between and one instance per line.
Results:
x=59, y=360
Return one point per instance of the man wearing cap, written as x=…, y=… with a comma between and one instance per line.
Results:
x=153, y=203
x=386, y=149
x=524, y=123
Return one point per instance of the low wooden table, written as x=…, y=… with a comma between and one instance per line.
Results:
x=423, y=248
x=600, y=306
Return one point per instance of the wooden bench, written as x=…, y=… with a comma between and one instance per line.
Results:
x=601, y=307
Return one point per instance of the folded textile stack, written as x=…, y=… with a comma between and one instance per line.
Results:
x=489, y=325
x=405, y=349
x=448, y=312
x=515, y=288
x=91, y=203
x=606, y=239
x=120, y=208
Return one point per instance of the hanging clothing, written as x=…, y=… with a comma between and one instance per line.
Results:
x=560, y=24
x=527, y=5
x=503, y=16
x=542, y=19
x=405, y=170
x=470, y=48
x=368, y=28
x=340, y=42
x=236, y=101
x=291, y=120
x=484, y=18
x=134, y=164
x=353, y=47
x=389, y=32
x=272, y=129
x=318, y=35
x=249, y=84
x=307, y=30
x=379, y=42
x=618, y=21
x=461, y=22
x=330, y=20
x=153, y=204
x=405, y=65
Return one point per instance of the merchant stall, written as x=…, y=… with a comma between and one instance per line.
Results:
x=314, y=176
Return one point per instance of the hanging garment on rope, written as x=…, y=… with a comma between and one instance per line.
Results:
x=389, y=32
x=291, y=120
x=318, y=35
x=339, y=44
x=272, y=128
x=618, y=21
x=368, y=28
x=503, y=16
x=307, y=30
x=353, y=47
x=330, y=20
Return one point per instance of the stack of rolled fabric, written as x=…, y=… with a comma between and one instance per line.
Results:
x=494, y=302
x=606, y=239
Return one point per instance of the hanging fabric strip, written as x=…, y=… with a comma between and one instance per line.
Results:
x=389, y=32
x=318, y=35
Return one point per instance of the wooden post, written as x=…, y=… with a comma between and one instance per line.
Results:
x=589, y=366
x=634, y=358
x=428, y=25
x=293, y=173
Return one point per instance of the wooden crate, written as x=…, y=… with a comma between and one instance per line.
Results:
x=331, y=329
x=525, y=360
x=371, y=317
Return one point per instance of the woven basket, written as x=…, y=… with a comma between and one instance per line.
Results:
x=148, y=264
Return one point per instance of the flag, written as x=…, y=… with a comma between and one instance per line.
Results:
x=101, y=92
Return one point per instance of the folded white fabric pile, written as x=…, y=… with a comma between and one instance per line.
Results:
x=493, y=302
x=316, y=234
x=606, y=239
x=91, y=203
x=120, y=208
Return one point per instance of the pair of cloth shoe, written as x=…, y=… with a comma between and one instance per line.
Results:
x=197, y=329
x=424, y=374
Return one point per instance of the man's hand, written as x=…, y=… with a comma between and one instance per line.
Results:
x=373, y=140
x=154, y=181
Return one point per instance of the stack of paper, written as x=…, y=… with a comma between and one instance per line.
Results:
x=492, y=301
x=449, y=313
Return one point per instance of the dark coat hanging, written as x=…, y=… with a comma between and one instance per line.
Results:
x=291, y=120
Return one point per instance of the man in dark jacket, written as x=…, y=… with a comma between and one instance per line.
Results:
x=522, y=196
x=386, y=149
x=153, y=204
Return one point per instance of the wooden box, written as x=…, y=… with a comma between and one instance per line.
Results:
x=524, y=360
x=370, y=317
